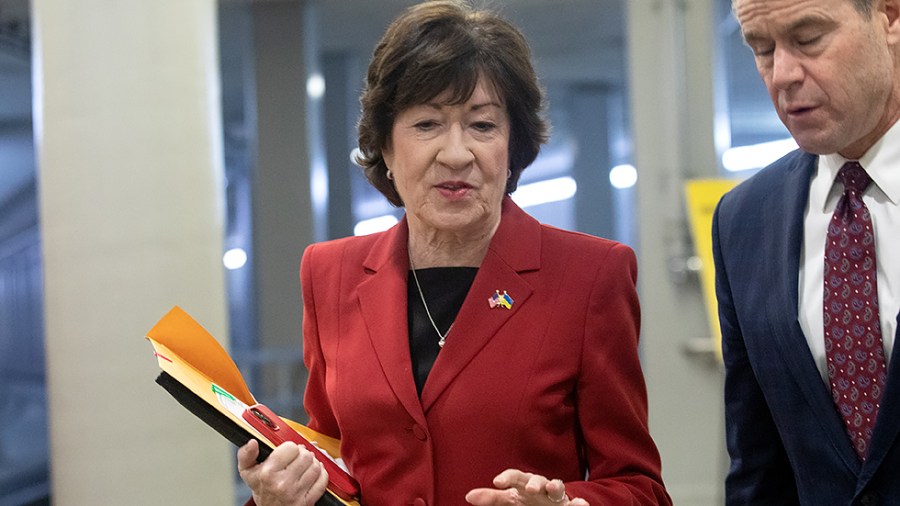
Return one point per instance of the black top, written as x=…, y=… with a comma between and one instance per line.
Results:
x=445, y=289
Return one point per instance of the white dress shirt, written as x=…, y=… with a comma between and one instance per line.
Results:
x=882, y=163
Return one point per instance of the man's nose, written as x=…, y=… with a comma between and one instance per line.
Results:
x=787, y=69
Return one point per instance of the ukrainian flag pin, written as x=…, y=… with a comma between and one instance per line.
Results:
x=497, y=300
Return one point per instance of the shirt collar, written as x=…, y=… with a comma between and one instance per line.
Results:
x=881, y=162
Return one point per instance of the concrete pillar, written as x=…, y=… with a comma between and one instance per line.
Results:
x=340, y=113
x=283, y=221
x=590, y=126
x=127, y=134
x=670, y=74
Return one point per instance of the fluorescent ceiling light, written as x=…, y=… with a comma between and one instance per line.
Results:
x=756, y=156
x=623, y=176
x=376, y=224
x=315, y=86
x=544, y=192
x=234, y=258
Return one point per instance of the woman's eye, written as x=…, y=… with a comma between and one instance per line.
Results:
x=484, y=126
x=426, y=125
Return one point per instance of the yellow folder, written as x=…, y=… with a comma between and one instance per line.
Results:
x=200, y=374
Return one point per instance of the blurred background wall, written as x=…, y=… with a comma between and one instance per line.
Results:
x=165, y=152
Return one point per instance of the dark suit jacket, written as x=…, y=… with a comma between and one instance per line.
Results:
x=785, y=437
x=552, y=386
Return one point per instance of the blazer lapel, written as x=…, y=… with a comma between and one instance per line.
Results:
x=887, y=425
x=783, y=210
x=382, y=302
x=515, y=248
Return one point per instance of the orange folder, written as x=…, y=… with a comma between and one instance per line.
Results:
x=200, y=374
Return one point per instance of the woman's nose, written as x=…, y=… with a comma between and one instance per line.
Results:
x=455, y=151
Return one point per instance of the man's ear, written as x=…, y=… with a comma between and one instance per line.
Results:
x=891, y=10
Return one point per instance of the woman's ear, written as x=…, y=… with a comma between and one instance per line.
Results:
x=387, y=154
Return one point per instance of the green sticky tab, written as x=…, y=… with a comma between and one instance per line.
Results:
x=220, y=391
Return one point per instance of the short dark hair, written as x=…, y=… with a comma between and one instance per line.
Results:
x=447, y=45
x=864, y=6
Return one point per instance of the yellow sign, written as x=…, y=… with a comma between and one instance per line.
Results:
x=702, y=195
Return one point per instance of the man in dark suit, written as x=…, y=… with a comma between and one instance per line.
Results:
x=807, y=256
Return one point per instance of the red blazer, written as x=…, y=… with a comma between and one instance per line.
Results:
x=552, y=386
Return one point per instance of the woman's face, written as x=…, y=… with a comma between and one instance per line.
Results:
x=449, y=162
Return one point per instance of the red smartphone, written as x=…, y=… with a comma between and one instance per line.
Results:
x=277, y=431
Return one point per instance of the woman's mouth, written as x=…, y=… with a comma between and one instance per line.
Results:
x=453, y=190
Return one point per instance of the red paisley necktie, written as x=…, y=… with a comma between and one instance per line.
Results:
x=853, y=346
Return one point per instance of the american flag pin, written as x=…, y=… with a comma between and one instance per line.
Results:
x=498, y=300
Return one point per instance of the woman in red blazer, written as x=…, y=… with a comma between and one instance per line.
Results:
x=468, y=354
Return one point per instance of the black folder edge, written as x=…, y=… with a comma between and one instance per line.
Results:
x=223, y=425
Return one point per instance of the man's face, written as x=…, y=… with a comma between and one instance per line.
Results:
x=829, y=69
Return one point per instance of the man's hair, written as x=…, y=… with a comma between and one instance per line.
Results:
x=864, y=7
x=447, y=46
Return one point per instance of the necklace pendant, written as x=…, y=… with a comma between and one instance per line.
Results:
x=443, y=337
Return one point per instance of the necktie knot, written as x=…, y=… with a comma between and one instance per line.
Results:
x=854, y=177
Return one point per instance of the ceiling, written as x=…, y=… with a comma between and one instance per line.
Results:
x=572, y=41
x=569, y=38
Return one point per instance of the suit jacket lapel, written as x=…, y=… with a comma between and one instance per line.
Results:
x=515, y=248
x=887, y=424
x=783, y=210
x=382, y=302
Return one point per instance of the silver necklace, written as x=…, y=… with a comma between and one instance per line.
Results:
x=443, y=337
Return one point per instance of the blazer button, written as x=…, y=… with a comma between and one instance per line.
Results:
x=420, y=502
x=421, y=435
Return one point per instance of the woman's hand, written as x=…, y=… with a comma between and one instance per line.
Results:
x=517, y=488
x=290, y=476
